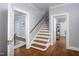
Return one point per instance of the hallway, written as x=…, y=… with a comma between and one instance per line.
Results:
x=59, y=49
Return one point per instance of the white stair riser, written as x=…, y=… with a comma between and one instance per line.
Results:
x=39, y=43
x=38, y=48
x=43, y=33
x=43, y=36
x=44, y=30
x=42, y=40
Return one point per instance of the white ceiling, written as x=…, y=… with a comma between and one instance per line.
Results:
x=45, y=6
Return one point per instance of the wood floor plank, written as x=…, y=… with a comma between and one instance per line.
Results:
x=59, y=49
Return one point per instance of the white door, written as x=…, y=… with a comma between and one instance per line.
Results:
x=10, y=49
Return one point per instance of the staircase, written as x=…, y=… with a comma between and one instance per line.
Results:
x=41, y=40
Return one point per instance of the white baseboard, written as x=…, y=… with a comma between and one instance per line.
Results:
x=74, y=48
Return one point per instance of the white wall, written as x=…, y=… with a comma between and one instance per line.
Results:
x=73, y=10
x=3, y=27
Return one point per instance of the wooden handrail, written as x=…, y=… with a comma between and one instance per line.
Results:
x=38, y=22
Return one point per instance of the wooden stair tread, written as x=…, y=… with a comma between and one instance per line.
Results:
x=41, y=41
x=39, y=46
x=44, y=34
x=44, y=31
x=42, y=38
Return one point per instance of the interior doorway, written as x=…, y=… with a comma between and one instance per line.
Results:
x=18, y=29
x=60, y=28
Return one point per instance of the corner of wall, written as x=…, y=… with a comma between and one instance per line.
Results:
x=73, y=48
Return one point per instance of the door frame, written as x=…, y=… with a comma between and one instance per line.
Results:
x=26, y=23
x=52, y=29
x=11, y=35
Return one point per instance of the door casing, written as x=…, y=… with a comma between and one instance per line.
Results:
x=10, y=38
x=52, y=29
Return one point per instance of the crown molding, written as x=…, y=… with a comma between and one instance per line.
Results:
x=60, y=5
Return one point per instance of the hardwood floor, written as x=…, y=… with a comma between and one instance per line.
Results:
x=59, y=49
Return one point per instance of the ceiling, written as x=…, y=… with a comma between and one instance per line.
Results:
x=45, y=6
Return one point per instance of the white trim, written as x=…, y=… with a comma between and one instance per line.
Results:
x=43, y=30
x=60, y=5
x=19, y=10
x=43, y=33
x=27, y=25
x=67, y=38
x=74, y=48
x=54, y=20
x=11, y=17
x=42, y=40
x=51, y=30
x=38, y=48
x=43, y=36
x=38, y=43
x=47, y=46
x=10, y=49
x=67, y=16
